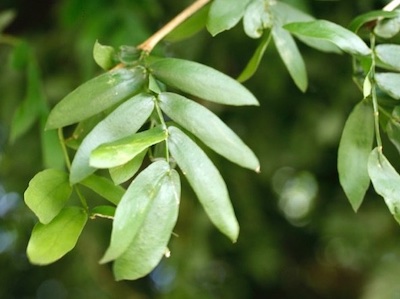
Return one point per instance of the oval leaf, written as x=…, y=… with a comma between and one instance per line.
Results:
x=388, y=28
x=123, y=150
x=389, y=54
x=389, y=83
x=354, y=148
x=256, y=18
x=385, y=179
x=205, y=180
x=198, y=120
x=201, y=81
x=104, y=187
x=97, y=95
x=47, y=194
x=225, y=14
x=328, y=31
x=122, y=173
x=150, y=244
x=50, y=242
x=116, y=125
x=134, y=207
x=105, y=56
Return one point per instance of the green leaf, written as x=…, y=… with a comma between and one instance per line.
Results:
x=107, y=212
x=225, y=14
x=116, y=125
x=189, y=27
x=389, y=54
x=393, y=128
x=291, y=56
x=104, y=187
x=354, y=148
x=105, y=56
x=205, y=180
x=47, y=193
x=327, y=31
x=386, y=180
x=96, y=95
x=122, y=173
x=50, y=242
x=198, y=120
x=388, y=28
x=255, y=60
x=389, y=83
x=363, y=19
x=6, y=17
x=201, y=81
x=134, y=207
x=123, y=150
x=129, y=55
x=150, y=243
x=256, y=18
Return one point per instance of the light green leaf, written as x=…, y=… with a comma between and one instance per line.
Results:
x=225, y=14
x=359, y=21
x=47, y=193
x=123, y=150
x=198, y=120
x=389, y=83
x=205, y=180
x=134, y=207
x=327, y=31
x=386, y=180
x=190, y=27
x=255, y=60
x=201, y=81
x=389, y=54
x=388, y=28
x=150, y=243
x=256, y=18
x=104, y=187
x=354, y=148
x=291, y=56
x=105, y=56
x=116, y=125
x=96, y=95
x=122, y=173
x=50, y=242
x=6, y=17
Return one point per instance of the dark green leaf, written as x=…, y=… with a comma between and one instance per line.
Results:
x=198, y=120
x=50, y=242
x=47, y=194
x=97, y=95
x=389, y=54
x=205, y=180
x=291, y=56
x=389, y=83
x=363, y=19
x=105, y=56
x=104, y=187
x=255, y=60
x=21, y=55
x=116, y=125
x=386, y=180
x=123, y=150
x=328, y=31
x=201, y=81
x=134, y=207
x=150, y=244
x=225, y=14
x=6, y=17
x=256, y=18
x=122, y=173
x=354, y=148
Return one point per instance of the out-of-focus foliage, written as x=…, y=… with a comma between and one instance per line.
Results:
x=299, y=238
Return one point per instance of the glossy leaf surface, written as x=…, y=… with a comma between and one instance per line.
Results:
x=97, y=95
x=50, y=242
x=205, y=180
x=134, y=207
x=123, y=150
x=122, y=173
x=328, y=31
x=198, y=120
x=389, y=83
x=150, y=244
x=201, y=81
x=104, y=187
x=47, y=193
x=354, y=148
x=116, y=125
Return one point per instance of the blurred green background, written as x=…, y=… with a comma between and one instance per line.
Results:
x=299, y=236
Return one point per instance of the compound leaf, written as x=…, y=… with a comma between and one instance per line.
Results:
x=205, y=180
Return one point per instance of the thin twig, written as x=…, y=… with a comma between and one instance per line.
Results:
x=153, y=40
x=392, y=5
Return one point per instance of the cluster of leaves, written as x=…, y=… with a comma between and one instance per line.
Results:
x=135, y=121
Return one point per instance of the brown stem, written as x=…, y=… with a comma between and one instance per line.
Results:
x=153, y=40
